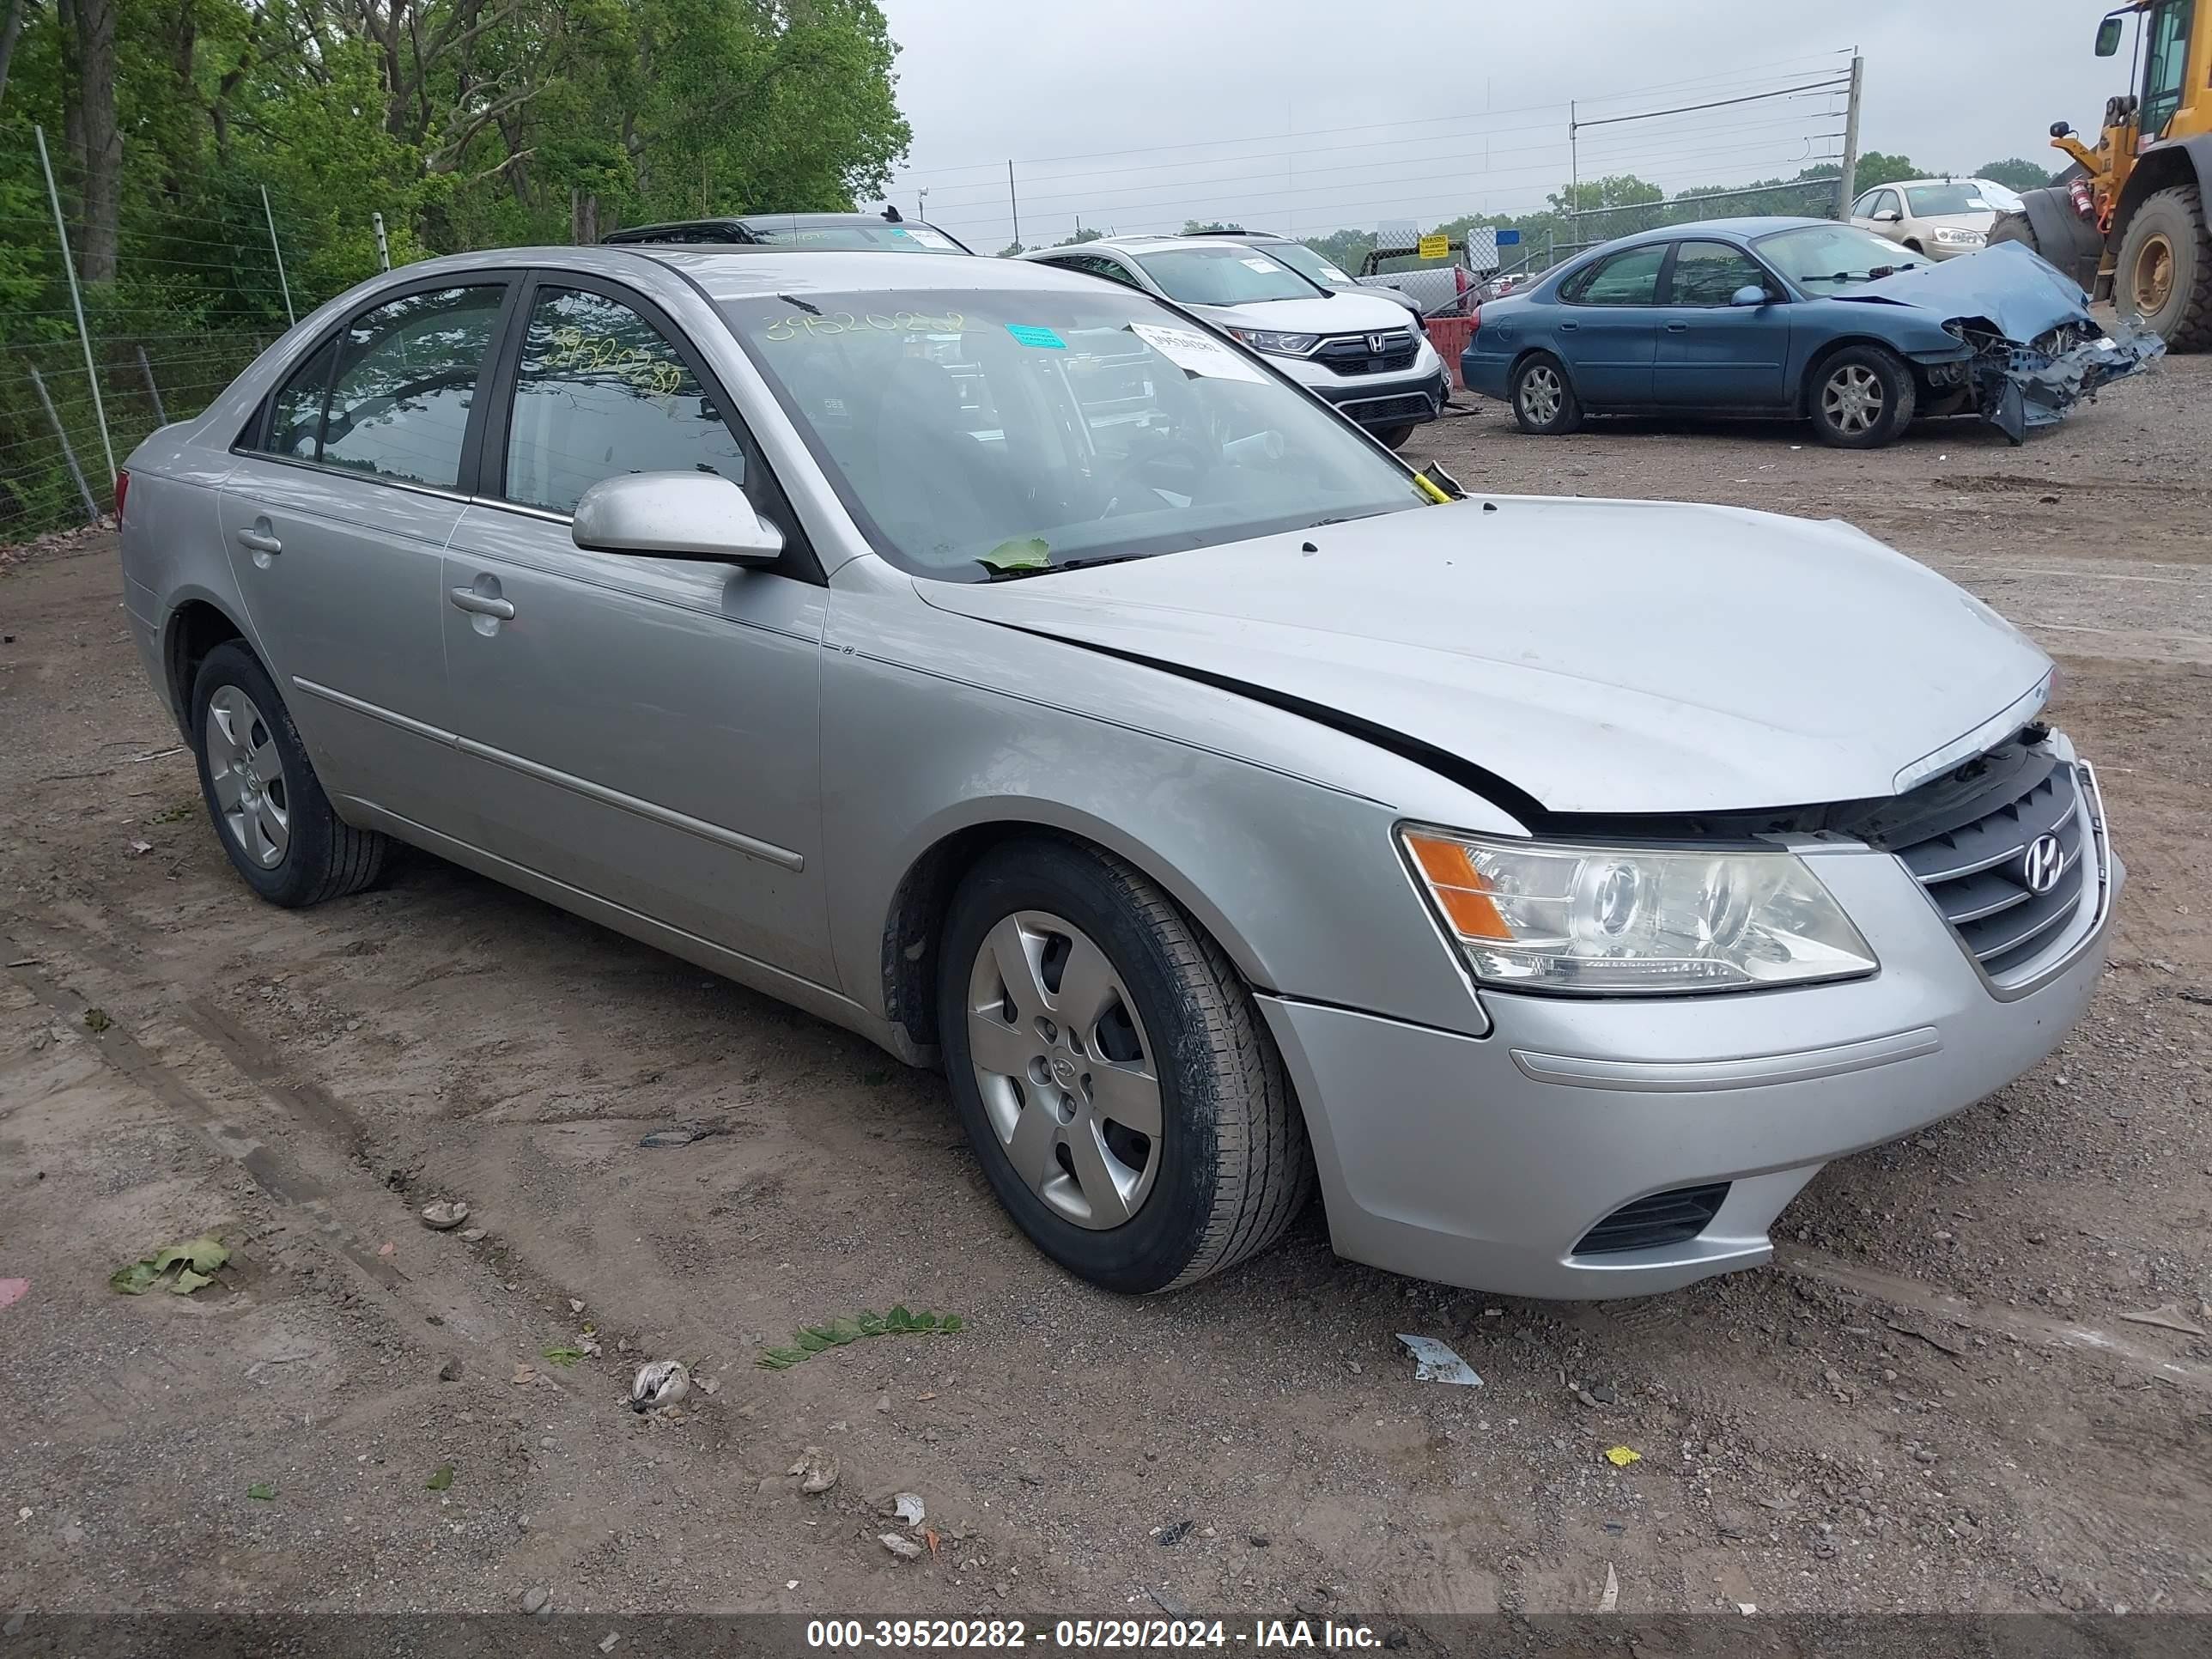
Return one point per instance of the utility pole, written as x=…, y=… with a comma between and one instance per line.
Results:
x=1847, y=186
x=1013, y=203
x=1574, y=176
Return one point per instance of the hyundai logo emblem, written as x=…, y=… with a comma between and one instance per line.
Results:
x=2042, y=864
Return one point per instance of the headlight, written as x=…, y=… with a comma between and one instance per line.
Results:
x=1281, y=346
x=1614, y=922
x=1955, y=238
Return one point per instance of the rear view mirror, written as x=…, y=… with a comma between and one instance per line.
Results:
x=2108, y=37
x=1749, y=295
x=674, y=516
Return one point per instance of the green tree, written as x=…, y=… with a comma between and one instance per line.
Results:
x=1877, y=168
x=2017, y=173
x=1080, y=237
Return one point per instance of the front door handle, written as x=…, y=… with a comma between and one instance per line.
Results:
x=1677, y=328
x=258, y=539
x=482, y=605
x=1569, y=328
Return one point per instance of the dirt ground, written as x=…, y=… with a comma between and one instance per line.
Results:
x=1936, y=1400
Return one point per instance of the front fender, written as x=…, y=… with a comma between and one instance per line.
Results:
x=935, y=724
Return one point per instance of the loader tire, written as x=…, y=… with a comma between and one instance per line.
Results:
x=2164, y=281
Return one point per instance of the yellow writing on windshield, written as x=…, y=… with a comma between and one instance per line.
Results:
x=789, y=327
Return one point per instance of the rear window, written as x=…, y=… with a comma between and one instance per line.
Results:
x=885, y=237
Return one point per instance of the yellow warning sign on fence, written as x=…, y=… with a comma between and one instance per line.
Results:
x=1435, y=248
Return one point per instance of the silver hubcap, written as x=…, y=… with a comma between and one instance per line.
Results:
x=1064, y=1069
x=1852, y=400
x=248, y=775
x=1539, y=395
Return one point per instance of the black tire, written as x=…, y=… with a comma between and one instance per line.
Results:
x=1540, y=379
x=2016, y=227
x=1234, y=1166
x=2170, y=224
x=322, y=856
x=1394, y=437
x=1847, y=374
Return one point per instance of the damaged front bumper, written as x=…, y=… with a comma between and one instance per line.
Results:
x=2019, y=387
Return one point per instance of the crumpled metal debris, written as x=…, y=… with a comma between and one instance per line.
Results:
x=1435, y=1363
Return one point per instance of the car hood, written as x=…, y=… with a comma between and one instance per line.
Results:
x=2011, y=286
x=1614, y=657
x=1325, y=313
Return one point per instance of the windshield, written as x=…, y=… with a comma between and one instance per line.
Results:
x=980, y=435
x=1307, y=264
x=1224, y=274
x=1969, y=195
x=1815, y=255
x=863, y=233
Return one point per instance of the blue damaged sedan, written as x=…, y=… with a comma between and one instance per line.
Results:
x=1797, y=317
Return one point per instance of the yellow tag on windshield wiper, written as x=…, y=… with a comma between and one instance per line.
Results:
x=1436, y=496
x=1026, y=553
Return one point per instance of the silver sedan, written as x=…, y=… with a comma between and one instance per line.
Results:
x=1006, y=666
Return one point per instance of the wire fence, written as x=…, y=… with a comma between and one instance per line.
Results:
x=92, y=358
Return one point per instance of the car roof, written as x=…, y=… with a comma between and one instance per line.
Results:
x=1742, y=229
x=1143, y=243
x=765, y=222
x=745, y=273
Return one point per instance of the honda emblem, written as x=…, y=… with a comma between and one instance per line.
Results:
x=1375, y=343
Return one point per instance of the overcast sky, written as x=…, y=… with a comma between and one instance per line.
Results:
x=1307, y=115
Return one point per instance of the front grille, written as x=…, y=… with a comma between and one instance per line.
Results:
x=1662, y=1218
x=1384, y=411
x=1347, y=354
x=1976, y=865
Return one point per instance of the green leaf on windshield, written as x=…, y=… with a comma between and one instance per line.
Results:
x=1027, y=553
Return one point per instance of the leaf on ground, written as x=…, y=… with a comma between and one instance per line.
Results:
x=136, y=1279
x=261, y=1491
x=187, y=1281
x=202, y=1255
x=96, y=1020
x=442, y=1479
x=562, y=1356
x=810, y=1340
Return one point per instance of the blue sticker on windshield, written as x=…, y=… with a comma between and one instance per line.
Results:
x=901, y=230
x=1030, y=335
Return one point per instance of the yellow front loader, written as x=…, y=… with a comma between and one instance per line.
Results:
x=2128, y=220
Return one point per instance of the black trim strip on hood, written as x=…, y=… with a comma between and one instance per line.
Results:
x=1499, y=791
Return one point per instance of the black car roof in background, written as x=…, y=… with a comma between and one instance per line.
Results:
x=762, y=230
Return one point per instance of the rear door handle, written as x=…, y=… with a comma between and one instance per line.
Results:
x=482, y=605
x=259, y=539
x=1569, y=328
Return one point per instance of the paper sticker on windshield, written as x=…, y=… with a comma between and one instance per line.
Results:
x=929, y=238
x=1256, y=263
x=1196, y=353
x=1030, y=335
x=1333, y=273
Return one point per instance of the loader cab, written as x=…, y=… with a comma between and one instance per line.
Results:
x=2166, y=62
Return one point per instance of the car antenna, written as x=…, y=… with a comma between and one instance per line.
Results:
x=891, y=213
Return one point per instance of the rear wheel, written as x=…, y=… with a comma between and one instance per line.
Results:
x=1543, y=401
x=1860, y=398
x=1113, y=1075
x=2164, y=277
x=270, y=810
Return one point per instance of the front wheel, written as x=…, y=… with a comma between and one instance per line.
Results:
x=1860, y=399
x=1111, y=1072
x=1543, y=402
x=2163, y=279
x=1393, y=437
x=269, y=808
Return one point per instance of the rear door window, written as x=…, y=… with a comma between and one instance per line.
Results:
x=407, y=377
x=295, y=413
x=1630, y=277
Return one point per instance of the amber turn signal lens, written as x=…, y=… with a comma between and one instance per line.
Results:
x=1459, y=889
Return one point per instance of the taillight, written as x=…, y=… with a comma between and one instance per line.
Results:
x=1474, y=322
x=122, y=489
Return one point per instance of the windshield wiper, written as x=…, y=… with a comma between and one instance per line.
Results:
x=1015, y=573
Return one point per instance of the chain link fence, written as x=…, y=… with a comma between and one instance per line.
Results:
x=93, y=359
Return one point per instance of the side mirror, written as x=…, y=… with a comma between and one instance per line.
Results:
x=1749, y=295
x=2108, y=37
x=1888, y=217
x=674, y=515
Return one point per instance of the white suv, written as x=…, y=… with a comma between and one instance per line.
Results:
x=1361, y=352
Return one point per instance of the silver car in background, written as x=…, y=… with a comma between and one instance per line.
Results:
x=1000, y=664
x=1366, y=353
